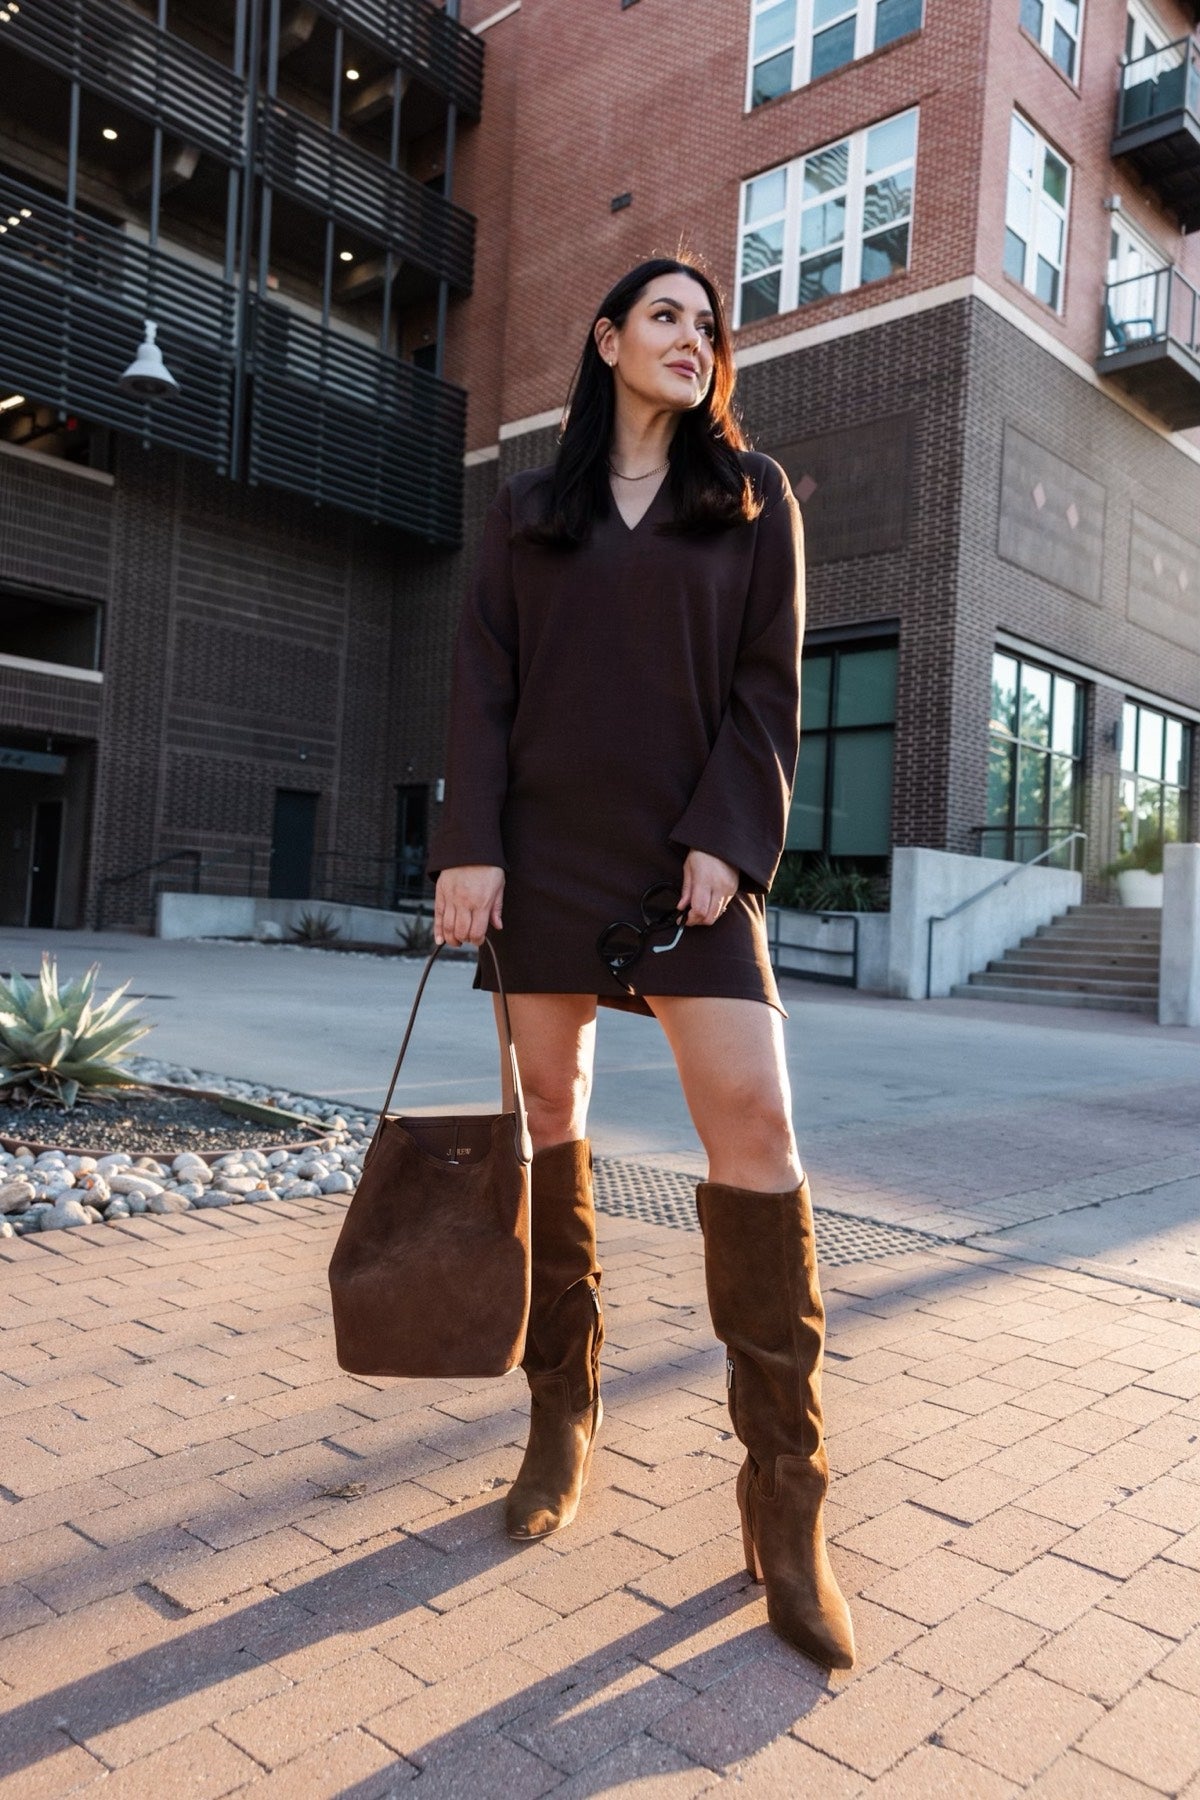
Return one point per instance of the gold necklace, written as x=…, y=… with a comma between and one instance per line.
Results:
x=645, y=477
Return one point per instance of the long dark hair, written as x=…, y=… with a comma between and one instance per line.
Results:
x=707, y=483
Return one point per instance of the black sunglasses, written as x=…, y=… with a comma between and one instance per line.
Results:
x=621, y=944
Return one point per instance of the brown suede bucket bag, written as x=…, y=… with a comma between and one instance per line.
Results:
x=430, y=1274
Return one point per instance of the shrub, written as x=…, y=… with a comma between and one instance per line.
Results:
x=818, y=885
x=1146, y=854
x=315, y=928
x=55, y=1046
x=416, y=934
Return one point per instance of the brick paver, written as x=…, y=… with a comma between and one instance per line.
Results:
x=232, y=1569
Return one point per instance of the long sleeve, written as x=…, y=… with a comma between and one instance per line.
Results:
x=483, y=697
x=739, y=808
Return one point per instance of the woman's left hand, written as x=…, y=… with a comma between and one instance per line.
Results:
x=708, y=886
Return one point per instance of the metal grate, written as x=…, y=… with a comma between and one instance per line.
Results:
x=630, y=1190
x=423, y=38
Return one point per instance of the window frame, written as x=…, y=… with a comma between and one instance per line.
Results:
x=866, y=25
x=1128, y=773
x=1037, y=196
x=1045, y=38
x=837, y=651
x=853, y=239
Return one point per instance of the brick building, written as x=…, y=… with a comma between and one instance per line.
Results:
x=952, y=234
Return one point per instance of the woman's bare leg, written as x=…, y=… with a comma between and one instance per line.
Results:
x=731, y=1064
x=555, y=1038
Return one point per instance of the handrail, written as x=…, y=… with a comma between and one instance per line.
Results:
x=982, y=893
x=192, y=856
x=775, y=946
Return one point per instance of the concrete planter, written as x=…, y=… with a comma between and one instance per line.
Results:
x=807, y=945
x=1137, y=887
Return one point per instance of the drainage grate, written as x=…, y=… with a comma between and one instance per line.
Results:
x=630, y=1190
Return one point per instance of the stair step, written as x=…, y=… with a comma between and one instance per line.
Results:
x=1069, y=984
x=1149, y=940
x=1088, y=968
x=1050, y=997
x=1094, y=909
x=1074, y=948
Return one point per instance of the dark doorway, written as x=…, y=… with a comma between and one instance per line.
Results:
x=412, y=834
x=43, y=868
x=293, y=837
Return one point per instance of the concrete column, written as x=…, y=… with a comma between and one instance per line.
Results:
x=1179, y=964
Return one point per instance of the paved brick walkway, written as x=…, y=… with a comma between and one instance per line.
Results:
x=233, y=1569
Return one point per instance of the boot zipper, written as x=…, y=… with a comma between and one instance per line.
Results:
x=729, y=1374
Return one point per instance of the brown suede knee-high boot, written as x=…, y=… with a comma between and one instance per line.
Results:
x=765, y=1300
x=562, y=1348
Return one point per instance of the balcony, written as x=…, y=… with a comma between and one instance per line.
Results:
x=1158, y=125
x=334, y=419
x=116, y=52
x=74, y=293
x=423, y=39
x=359, y=190
x=1152, y=344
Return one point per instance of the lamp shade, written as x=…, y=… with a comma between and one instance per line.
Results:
x=147, y=377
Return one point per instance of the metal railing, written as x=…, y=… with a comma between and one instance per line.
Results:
x=335, y=177
x=112, y=50
x=776, y=946
x=422, y=38
x=346, y=878
x=339, y=421
x=1158, y=84
x=196, y=865
x=74, y=292
x=1153, y=308
x=982, y=894
x=1018, y=843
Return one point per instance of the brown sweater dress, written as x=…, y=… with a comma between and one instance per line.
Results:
x=612, y=708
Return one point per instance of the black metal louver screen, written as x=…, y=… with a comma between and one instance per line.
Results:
x=74, y=293
x=315, y=166
x=422, y=38
x=115, y=51
x=349, y=427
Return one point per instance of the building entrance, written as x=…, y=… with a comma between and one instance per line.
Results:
x=44, y=806
x=45, y=863
x=293, y=838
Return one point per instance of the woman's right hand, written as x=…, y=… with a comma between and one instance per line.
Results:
x=466, y=902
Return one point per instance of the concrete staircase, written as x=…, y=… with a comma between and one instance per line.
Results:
x=1099, y=956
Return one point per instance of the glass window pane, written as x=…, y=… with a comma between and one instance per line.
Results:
x=1063, y=51
x=1046, y=283
x=1128, y=811
x=1062, y=790
x=1149, y=809
x=861, y=820
x=1035, y=705
x=1001, y=756
x=822, y=225
x=866, y=687
x=1031, y=786
x=885, y=254
x=1022, y=146
x=1031, y=17
x=762, y=249
x=1063, y=735
x=895, y=18
x=892, y=142
x=1050, y=235
x=1150, y=743
x=1173, y=769
x=1014, y=256
x=829, y=12
x=1172, y=815
x=1129, y=716
x=1017, y=206
x=760, y=299
x=820, y=276
x=833, y=49
x=826, y=170
x=815, y=682
x=775, y=26
x=886, y=201
x=772, y=78
x=1004, y=694
x=1054, y=178
x=806, y=821
x=766, y=196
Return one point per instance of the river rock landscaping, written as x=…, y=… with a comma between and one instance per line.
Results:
x=43, y=1189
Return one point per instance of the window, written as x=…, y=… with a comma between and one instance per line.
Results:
x=37, y=628
x=1056, y=26
x=1035, y=217
x=1034, y=753
x=842, y=802
x=1156, y=760
x=1136, y=297
x=829, y=221
x=1143, y=33
x=793, y=41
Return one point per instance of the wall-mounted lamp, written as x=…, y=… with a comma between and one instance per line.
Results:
x=147, y=377
x=1113, y=734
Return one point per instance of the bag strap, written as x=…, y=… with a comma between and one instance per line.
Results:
x=523, y=1140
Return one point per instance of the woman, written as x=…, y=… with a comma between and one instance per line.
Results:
x=623, y=738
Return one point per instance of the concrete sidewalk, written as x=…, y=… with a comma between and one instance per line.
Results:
x=233, y=1569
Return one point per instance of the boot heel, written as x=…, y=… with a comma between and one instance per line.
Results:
x=753, y=1566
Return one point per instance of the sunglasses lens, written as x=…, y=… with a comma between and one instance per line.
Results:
x=660, y=906
x=620, y=945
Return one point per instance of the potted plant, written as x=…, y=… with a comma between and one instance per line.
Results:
x=1139, y=872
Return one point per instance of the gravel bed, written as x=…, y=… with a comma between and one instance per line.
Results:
x=146, y=1119
x=57, y=1190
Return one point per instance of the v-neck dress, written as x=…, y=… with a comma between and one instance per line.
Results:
x=612, y=708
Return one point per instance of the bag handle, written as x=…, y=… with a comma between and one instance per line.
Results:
x=524, y=1142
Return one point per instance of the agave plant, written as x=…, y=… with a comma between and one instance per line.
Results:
x=315, y=928
x=54, y=1046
